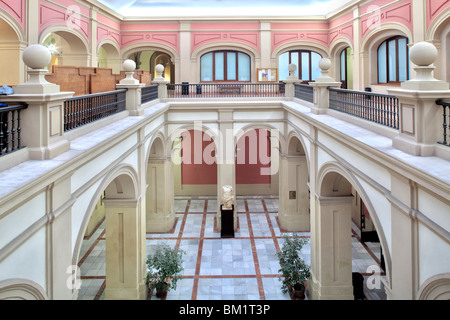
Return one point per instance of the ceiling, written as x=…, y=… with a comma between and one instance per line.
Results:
x=233, y=8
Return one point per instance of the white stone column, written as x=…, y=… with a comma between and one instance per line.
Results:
x=124, y=272
x=420, y=119
x=333, y=274
x=133, y=87
x=226, y=167
x=42, y=122
x=321, y=85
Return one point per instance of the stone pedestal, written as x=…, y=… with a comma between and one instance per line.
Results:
x=133, y=95
x=321, y=85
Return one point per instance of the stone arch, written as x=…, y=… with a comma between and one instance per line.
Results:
x=370, y=44
x=334, y=187
x=294, y=194
x=209, y=179
x=72, y=45
x=439, y=35
x=301, y=139
x=125, y=237
x=115, y=187
x=12, y=46
x=336, y=49
x=435, y=288
x=112, y=57
x=21, y=289
x=254, y=55
x=300, y=45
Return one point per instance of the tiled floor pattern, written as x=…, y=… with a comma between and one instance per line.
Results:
x=241, y=268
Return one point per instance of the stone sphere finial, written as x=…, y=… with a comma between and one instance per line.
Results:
x=423, y=54
x=37, y=56
x=292, y=67
x=129, y=65
x=159, y=69
x=325, y=64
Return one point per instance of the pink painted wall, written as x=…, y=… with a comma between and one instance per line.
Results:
x=205, y=33
x=16, y=8
x=434, y=8
x=50, y=14
x=400, y=13
x=163, y=33
x=108, y=29
x=195, y=169
x=256, y=144
x=341, y=27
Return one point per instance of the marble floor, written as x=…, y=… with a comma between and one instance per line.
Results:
x=241, y=268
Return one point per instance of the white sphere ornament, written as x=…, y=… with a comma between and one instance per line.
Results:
x=159, y=68
x=423, y=54
x=129, y=65
x=325, y=64
x=37, y=56
x=292, y=67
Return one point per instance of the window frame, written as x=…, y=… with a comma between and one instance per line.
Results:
x=299, y=62
x=397, y=64
x=225, y=66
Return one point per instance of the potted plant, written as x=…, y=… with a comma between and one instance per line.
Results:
x=163, y=268
x=293, y=268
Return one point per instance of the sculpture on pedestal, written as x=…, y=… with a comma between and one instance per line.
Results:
x=227, y=197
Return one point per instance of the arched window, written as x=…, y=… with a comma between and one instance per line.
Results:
x=393, y=60
x=307, y=64
x=225, y=66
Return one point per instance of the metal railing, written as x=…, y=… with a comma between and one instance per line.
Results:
x=379, y=108
x=149, y=93
x=225, y=90
x=304, y=92
x=82, y=110
x=445, y=124
x=10, y=130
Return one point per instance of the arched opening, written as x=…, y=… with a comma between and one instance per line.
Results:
x=225, y=66
x=346, y=68
x=160, y=191
x=112, y=252
x=195, y=167
x=146, y=60
x=11, y=65
x=109, y=57
x=253, y=165
x=340, y=258
x=67, y=49
x=294, y=194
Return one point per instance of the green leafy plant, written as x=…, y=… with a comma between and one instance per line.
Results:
x=293, y=268
x=163, y=268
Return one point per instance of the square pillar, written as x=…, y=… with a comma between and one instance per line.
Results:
x=293, y=211
x=124, y=261
x=160, y=196
x=332, y=276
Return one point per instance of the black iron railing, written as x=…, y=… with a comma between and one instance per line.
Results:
x=225, y=90
x=380, y=108
x=304, y=92
x=445, y=124
x=10, y=130
x=82, y=110
x=149, y=93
